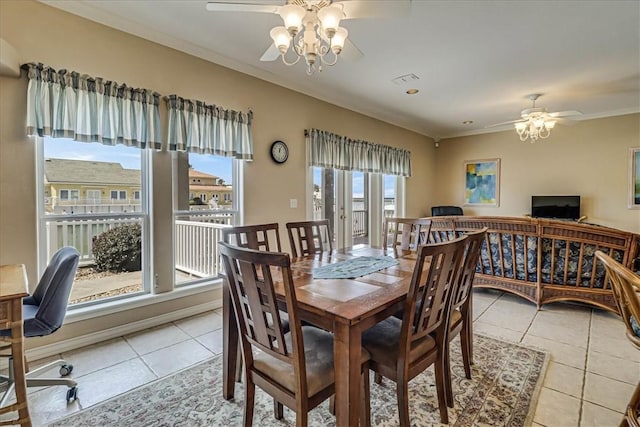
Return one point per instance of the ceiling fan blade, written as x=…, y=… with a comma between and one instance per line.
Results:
x=357, y=9
x=504, y=123
x=350, y=52
x=227, y=6
x=271, y=54
x=566, y=113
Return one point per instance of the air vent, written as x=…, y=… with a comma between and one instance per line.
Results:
x=406, y=79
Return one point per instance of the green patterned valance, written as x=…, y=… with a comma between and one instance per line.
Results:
x=63, y=104
x=200, y=128
x=333, y=151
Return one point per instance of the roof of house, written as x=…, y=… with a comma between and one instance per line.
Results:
x=197, y=174
x=193, y=187
x=89, y=172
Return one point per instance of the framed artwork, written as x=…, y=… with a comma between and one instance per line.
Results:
x=634, y=178
x=482, y=182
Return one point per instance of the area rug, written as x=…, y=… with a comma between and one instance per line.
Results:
x=352, y=268
x=505, y=382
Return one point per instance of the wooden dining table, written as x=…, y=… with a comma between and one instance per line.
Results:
x=345, y=307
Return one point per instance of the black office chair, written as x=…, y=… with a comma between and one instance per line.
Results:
x=43, y=314
x=446, y=210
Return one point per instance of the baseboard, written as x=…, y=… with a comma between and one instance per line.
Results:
x=118, y=331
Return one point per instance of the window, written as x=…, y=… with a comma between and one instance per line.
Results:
x=136, y=195
x=118, y=195
x=227, y=197
x=69, y=195
x=198, y=226
x=82, y=223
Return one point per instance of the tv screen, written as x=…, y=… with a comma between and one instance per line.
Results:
x=563, y=207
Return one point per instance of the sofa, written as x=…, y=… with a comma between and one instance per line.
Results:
x=544, y=260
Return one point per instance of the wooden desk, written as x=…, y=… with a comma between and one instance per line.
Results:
x=13, y=287
x=345, y=307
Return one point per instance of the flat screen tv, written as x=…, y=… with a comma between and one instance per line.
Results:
x=562, y=207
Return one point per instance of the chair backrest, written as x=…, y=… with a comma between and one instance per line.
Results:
x=405, y=233
x=251, y=275
x=446, y=210
x=626, y=291
x=310, y=237
x=473, y=243
x=262, y=237
x=434, y=278
x=51, y=296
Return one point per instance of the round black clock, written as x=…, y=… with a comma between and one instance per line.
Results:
x=279, y=152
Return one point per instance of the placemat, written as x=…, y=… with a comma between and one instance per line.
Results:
x=352, y=268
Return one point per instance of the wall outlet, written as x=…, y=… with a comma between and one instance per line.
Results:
x=293, y=203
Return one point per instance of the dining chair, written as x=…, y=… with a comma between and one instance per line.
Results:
x=625, y=285
x=405, y=233
x=296, y=368
x=401, y=349
x=310, y=237
x=264, y=237
x=460, y=317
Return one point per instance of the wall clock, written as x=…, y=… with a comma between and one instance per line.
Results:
x=279, y=152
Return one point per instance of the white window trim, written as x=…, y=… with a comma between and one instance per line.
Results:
x=145, y=215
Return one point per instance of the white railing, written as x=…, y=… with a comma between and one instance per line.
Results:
x=197, y=247
x=79, y=233
x=360, y=226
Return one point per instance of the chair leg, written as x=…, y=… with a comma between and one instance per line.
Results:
x=239, y=365
x=448, y=389
x=365, y=402
x=466, y=351
x=249, y=400
x=441, y=388
x=302, y=417
x=402, y=392
x=332, y=405
x=278, y=410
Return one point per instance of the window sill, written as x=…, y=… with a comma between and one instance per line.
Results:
x=124, y=304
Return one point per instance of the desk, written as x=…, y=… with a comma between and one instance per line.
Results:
x=345, y=307
x=13, y=287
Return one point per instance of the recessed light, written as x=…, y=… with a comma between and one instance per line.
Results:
x=467, y=122
x=412, y=91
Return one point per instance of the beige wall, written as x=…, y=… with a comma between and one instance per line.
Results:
x=589, y=159
x=61, y=40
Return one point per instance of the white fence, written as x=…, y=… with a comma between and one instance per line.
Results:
x=196, y=239
x=197, y=247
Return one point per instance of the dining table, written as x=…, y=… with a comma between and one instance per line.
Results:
x=344, y=306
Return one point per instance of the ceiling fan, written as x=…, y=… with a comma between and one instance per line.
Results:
x=536, y=122
x=311, y=27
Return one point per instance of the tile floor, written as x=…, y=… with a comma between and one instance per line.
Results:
x=590, y=378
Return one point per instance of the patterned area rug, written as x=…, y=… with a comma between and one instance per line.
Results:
x=352, y=268
x=505, y=382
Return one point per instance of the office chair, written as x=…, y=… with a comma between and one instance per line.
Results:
x=43, y=313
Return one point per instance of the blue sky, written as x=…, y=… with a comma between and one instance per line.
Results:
x=129, y=157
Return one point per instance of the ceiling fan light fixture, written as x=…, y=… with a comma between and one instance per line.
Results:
x=330, y=17
x=338, y=40
x=292, y=16
x=281, y=38
x=536, y=124
x=549, y=124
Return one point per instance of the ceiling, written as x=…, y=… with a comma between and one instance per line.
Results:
x=476, y=60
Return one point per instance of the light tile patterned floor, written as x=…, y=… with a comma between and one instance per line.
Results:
x=591, y=376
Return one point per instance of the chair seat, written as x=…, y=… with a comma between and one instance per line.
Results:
x=318, y=355
x=382, y=342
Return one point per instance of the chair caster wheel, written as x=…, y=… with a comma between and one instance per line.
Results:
x=65, y=370
x=72, y=394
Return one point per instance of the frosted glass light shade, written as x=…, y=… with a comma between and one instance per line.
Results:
x=292, y=16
